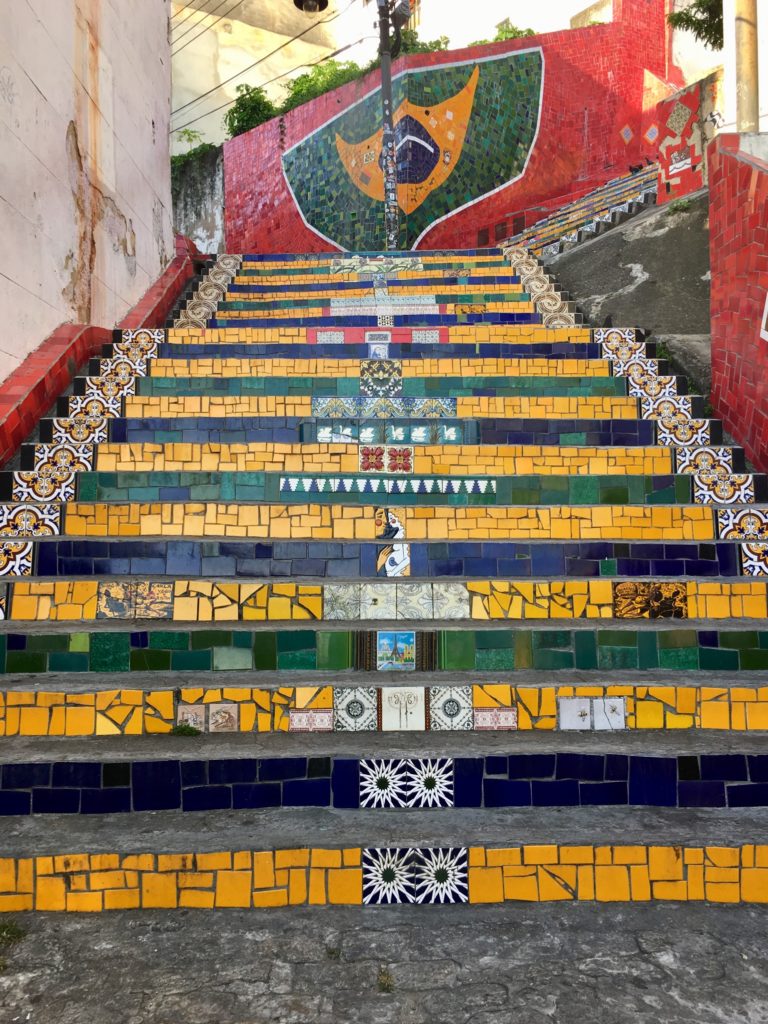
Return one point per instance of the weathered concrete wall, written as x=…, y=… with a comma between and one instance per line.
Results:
x=85, y=205
x=651, y=272
x=198, y=200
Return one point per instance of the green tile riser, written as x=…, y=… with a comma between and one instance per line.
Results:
x=256, y=303
x=259, y=486
x=490, y=650
x=412, y=387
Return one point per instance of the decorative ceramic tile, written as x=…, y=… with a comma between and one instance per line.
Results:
x=425, y=337
x=378, y=338
x=394, y=561
x=81, y=429
x=388, y=876
x=639, y=599
x=310, y=720
x=388, y=525
x=192, y=715
x=399, y=460
x=644, y=383
x=139, y=344
x=15, y=557
x=154, y=600
x=371, y=458
x=678, y=118
x=395, y=651
x=383, y=783
x=330, y=337
x=754, y=559
x=609, y=713
x=30, y=520
x=116, y=600
x=451, y=601
x=93, y=406
x=381, y=378
x=61, y=460
x=342, y=601
x=713, y=489
x=495, y=718
x=403, y=709
x=704, y=460
x=679, y=430
x=749, y=524
x=429, y=782
x=619, y=343
x=440, y=876
x=43, y=486
x=378, y=601
x=379, y=350
x=666, y=408
x=575, y=713
x=414, y=600
x=355, y=709
x=450, y=708
x=223, y=717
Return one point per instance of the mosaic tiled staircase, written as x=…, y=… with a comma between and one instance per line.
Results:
x=593, y=214
x=354, y=520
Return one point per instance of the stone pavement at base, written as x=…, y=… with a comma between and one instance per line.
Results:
x=517, y=964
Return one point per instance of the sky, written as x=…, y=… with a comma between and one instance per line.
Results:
x=449, y=17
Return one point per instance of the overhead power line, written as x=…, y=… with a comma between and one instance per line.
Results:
x=207, y=27
x=229, y=103
x=262, y=59
x=192, y=10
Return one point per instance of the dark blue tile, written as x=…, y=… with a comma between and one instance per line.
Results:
x=105, y=801
x=586, y=767
x=468, y=782
x=15, y=803
x=617, y=767
x=531, y=766
x=229, y=770
x=194, y=773
x=555, y=794
x=25, y=776
x=274, y=769
x=506, y=793
x=701, y=794
x=156, y=785
x=758, y=767
x=653, y=781
x=78, y=774
x=307, y=793
x=345, y=782
x=495, y=765
x=594, y=794
x=55, y=801
x=206, y=798
x=731, y=767
x=754, y=795
x=258, y=795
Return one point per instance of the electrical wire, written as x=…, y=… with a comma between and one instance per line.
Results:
x=229, y=103
x=262, y=59
x=193, y=10
x=207, y=27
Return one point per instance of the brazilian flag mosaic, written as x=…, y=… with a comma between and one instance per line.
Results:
x=462, y=131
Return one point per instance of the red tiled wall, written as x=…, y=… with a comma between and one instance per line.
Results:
x=686, y=143
x=30, y=391
x=738, y=217
x=597, y=81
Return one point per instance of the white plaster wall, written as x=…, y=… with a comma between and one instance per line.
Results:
x=729, y=62
x=85, y=207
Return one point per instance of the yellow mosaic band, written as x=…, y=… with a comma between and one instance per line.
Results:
x=519, y=334
x=448, y=309
x=458, y=460
x=349, y=368
x=135, y=712
x=476, y=600
x=318, y=876
x=352, y=522
x=331, y=290
x=509, y=407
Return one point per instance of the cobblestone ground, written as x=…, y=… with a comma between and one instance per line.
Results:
x=670, y=964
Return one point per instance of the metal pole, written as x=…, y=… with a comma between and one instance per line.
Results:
x=388, y=148
x=747, y=89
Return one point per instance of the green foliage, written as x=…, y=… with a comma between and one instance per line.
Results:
x=318, y=80
x=384, y=980
x=704, y=18
x=183, y=162
x=504, y=32
x=189, y=135
x=182, y=729
x=679, y=205
x=251, y=108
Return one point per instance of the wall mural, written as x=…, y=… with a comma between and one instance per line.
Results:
x=463, y=131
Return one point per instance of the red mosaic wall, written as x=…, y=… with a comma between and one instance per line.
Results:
x=738, y=216
x=686, y=124
x=30, y=391
x=601, y=87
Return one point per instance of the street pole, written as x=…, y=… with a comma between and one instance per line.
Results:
x=747, y=102
x=388, y=147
